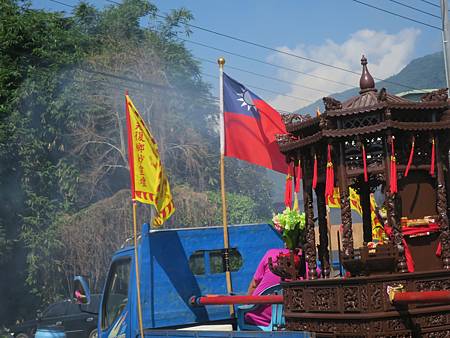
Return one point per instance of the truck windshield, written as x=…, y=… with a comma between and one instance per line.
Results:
x=116, y=294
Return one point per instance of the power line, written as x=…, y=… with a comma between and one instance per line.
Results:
x=414, y=8
x=292, y=54
x=125, y=78
x=265, y=89
x=430, y=3
x=62, y=3
x=267, y=77
x=399, y=15
x=123, y=87
x=266, y=63
x=287, y=68
x=287, y=53
x=163, y=87
x=266, y=47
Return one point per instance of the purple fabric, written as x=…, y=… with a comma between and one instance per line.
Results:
x=264, y=278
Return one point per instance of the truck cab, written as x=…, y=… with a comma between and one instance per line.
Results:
x=175, y=265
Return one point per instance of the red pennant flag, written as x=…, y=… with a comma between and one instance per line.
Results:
x=411, y=154
x=314, y=180
x=366, y=177
x=298, y=177
x=433, y=156
x=393, y=169
x=288, y=191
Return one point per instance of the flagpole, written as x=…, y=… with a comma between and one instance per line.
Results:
x=221, y=62
x=133, y=195
x=136, y=264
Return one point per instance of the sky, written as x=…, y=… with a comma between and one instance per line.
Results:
x=335, y=32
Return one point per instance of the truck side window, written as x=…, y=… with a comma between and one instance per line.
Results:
x=116, y=294
x=216, y=261
x=197, y=262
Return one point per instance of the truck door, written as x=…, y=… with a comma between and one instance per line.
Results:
x=115, y=316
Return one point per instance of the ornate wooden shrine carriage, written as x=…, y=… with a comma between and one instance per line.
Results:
x=374, y=141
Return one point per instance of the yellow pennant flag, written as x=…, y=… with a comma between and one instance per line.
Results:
x=377, y=227
x=335, y=200
x=149, y=182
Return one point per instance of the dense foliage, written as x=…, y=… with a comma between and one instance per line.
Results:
x=63, y=163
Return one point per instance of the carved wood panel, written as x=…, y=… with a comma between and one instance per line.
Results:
x=323, y=299
x=352, y=302
x=296, y=299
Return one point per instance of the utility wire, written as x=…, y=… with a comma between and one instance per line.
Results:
x=136, y=91
x=266, y=47
x=264, y=89
x=287, y=53
x=253, y=59
x=62, y=3
x=414, y=8
x=430, y=3
x=287, y=68
x=267, y=77
x=399, y=15
x=266, y=63
x=164, y=87
x=292, y=54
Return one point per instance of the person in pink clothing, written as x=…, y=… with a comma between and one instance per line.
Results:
x=262, y=279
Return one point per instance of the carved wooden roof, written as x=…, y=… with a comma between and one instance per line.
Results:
x=294, y=142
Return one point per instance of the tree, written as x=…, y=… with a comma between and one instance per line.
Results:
x=62, y=139
x=36, y=52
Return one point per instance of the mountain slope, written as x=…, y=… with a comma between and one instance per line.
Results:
x=424, y=72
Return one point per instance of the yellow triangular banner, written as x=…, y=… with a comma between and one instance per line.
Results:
x=149, y=182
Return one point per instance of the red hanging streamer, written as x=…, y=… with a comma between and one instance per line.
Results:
x=411, y=154
x=393, y=169
x=288, y=191
x=314, y=180
x=433, y=156
x=298, y=177
x=366, y=177
x=329, y=182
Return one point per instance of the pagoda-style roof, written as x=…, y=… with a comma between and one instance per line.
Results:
x=374, y=100
x=372, y=111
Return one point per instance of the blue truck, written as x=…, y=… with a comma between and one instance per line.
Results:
x=175, y=265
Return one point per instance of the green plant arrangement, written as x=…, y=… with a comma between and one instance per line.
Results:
x=291, y=225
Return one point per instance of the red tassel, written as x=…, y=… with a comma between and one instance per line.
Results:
x=288, y=191
x=433, y=156
x=411, y=154
x=298, y=178
x=329, y=182
x=314, y=180
x=366, y=177
x=393, y=169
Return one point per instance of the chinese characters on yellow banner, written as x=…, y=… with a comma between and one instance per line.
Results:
x=149, y=182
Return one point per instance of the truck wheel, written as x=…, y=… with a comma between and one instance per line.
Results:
x=93, y=334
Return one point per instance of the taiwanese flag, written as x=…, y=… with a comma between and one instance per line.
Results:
x=250, y=126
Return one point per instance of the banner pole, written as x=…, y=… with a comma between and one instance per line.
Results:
x=136, y=265
x=133, y=195
x=221, y=62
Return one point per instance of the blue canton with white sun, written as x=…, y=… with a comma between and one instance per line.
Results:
x=238, y=99
x=246, y=100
